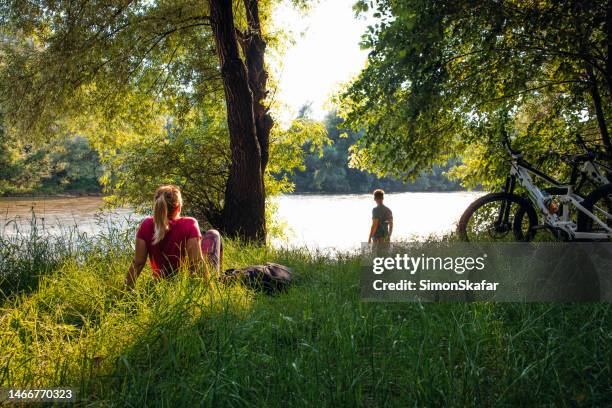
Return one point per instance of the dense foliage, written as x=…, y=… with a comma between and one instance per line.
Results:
x=109, y=70
x=444, y=78
x=330, y=171
x=195, y=158
x=113, y=72
x=68, y=164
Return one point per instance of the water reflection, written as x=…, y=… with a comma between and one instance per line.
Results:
x=316, y=221
x=343, y=221
x=55, y=214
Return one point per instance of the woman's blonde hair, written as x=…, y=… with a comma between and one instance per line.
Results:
x=167, y=200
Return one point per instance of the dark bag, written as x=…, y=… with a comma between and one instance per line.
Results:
x=269, y=278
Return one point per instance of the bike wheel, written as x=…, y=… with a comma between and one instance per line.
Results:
x=599, y=202
x=481, y=221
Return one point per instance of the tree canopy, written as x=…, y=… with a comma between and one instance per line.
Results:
x=120, y=72
x=103, y=68
x=442, y=75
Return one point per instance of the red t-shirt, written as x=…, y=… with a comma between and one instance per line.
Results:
x=166, y=255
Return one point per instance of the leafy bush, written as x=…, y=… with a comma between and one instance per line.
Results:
x=197, y=159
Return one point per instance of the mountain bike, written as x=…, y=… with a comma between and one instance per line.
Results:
x=589, y=169
x=566, y=212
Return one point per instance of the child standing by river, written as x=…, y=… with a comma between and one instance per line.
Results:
x=382, y=220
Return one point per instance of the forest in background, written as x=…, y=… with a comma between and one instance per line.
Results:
x=65, y=165
x=71, y=165
x=329, y=170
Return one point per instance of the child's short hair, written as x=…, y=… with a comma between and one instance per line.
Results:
x=379, y=194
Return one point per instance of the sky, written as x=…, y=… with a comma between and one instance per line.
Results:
x=325, y=53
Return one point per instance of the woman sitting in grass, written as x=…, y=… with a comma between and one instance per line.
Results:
x=169, y=240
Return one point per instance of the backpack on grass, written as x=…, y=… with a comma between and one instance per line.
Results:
x=269, y=278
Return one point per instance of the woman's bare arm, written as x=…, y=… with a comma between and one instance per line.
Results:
x=140, y=259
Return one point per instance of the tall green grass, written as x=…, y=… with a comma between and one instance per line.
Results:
x=180, y=342
x=30, y=249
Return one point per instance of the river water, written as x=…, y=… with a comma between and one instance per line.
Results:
x=314, y=221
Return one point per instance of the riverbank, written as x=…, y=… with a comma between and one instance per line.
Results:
x=46, y=195
x=317, y=222
x=178, y=343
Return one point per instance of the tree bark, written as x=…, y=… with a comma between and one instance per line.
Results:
x=609, y=49
x=599, y=113
x=254, y=47
x=244, y=206
x=583, y=41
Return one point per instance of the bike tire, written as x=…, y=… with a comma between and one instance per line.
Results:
x=585, y=223
x=522, y=202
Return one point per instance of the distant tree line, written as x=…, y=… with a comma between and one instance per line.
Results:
x=70, y=164
x=67, y=164
x=329, y=171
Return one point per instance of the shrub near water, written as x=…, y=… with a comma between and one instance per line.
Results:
x=181, y=343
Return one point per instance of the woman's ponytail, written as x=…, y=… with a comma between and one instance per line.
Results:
x=167, y=200
x=160, y=218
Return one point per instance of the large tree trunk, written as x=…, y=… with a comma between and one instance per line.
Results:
x=244, y=207
x=254, y=47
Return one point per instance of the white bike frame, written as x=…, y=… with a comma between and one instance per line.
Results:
x=523, y=174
